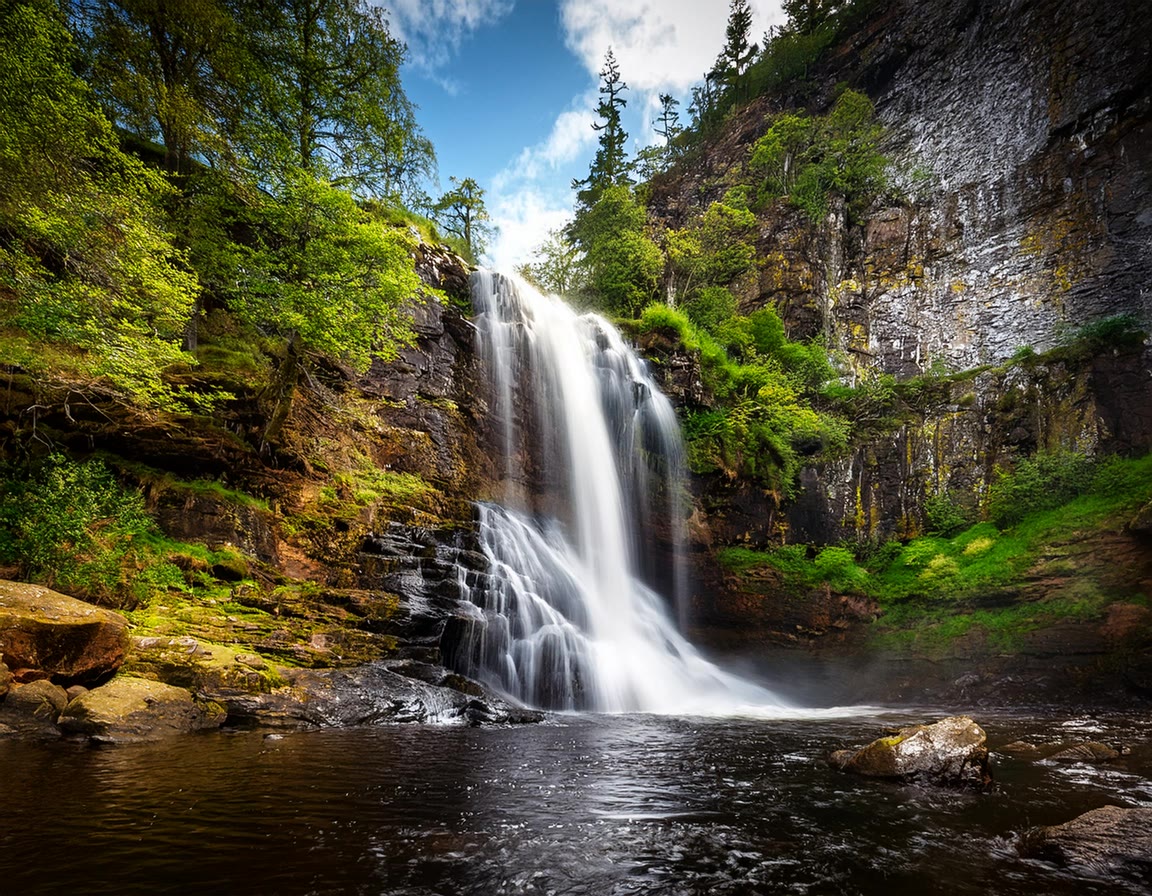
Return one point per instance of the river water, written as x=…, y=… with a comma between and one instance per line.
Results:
x=595, y=804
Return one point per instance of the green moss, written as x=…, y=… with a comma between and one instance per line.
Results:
x=933, y=590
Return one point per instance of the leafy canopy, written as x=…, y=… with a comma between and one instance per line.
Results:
x=85, y=260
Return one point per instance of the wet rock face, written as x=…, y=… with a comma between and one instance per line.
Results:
x=956, y=443
x=1113, y=841
x=45, y=634
x=1021, y=137
x=950, y=753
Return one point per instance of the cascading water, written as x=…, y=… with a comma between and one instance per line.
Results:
x=566, y=616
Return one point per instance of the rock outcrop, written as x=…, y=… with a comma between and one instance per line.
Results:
x=45, y=634
x=1110, y=841
x=949, y=753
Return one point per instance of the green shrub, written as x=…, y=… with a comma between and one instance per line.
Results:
x=72, y=526
x=1042, y=482
x=944, y=516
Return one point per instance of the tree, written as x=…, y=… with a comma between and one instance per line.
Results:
x=610, y=165
x=807, y=159
x=461, y=212
x=738, y=52
x=85, y=263
x=668, y=122
x=327, y=97
x=806, y=16
x=624, y=263
x=559, y=267
x=326, y=273
x=168, y=71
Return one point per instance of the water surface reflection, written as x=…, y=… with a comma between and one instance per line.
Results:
x=604, y=805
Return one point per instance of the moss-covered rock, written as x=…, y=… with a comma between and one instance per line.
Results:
x=47, y=634
x=130, y=710
x=951, y=753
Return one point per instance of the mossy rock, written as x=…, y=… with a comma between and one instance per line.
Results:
x=951, y=752
x=200, y=667
x=44, y=633
x=132, y=710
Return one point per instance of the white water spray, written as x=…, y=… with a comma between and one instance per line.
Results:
x=565, y=617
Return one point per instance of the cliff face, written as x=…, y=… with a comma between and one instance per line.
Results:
x=1020, y=135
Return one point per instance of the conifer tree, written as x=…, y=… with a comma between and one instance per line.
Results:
x=610, y=166
x=668, y=123
x=738, y=52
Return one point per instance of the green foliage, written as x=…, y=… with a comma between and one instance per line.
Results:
x=325, y=96
x=810, y=159
x=72, y=526
x=712, y=250
x=610, y=167
x=1106, y=334
x=944, y=516
x=710, y=307
x=1037, y=483
x=932, y=587
x=84, y=258
x=762, y=425
x=167, y=71
x=326, y=271
x=461, y=211
x=559, y=267
x=624, y=263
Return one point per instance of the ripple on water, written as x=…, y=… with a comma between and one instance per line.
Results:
x=600, y=805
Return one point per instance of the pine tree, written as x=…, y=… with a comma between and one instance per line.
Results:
x=610, y=166
x=738, y=52
x=668, y=122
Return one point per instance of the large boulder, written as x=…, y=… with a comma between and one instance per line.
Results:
x=45, y=634
x=951, y=752
x=129, y=710
x=1110, y=841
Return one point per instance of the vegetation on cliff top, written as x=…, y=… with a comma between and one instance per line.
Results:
x=1046, y=521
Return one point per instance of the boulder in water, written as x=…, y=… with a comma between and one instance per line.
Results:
x=130, y=710
x=1091, y=752
x=45, y=634
x=1020, y=748
x=1112, y=841
x=950, y=753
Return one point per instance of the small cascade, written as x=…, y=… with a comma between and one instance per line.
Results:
x=570, y=613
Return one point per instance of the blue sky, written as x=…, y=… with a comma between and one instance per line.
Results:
x=507, y=90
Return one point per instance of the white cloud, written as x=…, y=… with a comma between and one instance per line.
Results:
x=661, y=45
x=434, y=29
x=525, y=216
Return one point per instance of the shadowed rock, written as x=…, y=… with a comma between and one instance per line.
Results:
x=31, y=710
x=45, y=634
x=1110, y=841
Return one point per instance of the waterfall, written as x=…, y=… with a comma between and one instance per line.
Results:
x=571, y=612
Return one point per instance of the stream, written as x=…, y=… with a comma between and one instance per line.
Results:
x=597, y=804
